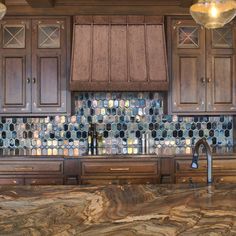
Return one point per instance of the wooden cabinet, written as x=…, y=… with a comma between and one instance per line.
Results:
x=120, y=171
x=31, y=171
x=121, y=53
x=224, y=170
x=202, y=67
x=33, y=66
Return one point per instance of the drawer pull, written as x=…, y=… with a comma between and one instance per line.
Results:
x=23, y=168
x=119, y=169
x=14, y=181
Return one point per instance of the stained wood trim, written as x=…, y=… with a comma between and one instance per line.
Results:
x=41, y=3
x=135, y=19
x=119, y=86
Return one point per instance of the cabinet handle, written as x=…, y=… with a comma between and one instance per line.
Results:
x=14, y=181
x=119, y=169
x=28, y=80
x=34, y=80
x=23, y=168
x=33, y=182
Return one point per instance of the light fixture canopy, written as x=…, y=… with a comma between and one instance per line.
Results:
x=213, y=13
x=3, y=10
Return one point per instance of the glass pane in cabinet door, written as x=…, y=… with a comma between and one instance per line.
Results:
x=13, y=36
x=222, y=37
x=49, y=36
x=188, y=37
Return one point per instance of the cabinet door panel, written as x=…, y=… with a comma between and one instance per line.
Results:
x=15, y=89
x=221, y=70
x=188, y=92
x=49, y=86
x=15, y=67
x=221, y=85
x=188, y=66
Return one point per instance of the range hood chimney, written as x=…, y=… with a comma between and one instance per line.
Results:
x=119, y=53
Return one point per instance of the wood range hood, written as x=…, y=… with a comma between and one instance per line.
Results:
x=119, y=53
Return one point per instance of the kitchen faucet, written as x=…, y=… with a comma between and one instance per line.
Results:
x=194, y=164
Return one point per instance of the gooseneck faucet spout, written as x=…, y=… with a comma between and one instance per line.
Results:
x=194, y=164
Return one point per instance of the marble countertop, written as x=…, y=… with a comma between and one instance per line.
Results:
x=117, y=210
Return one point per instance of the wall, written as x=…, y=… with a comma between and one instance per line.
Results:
x=121, y=119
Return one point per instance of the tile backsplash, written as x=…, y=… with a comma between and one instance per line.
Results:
x=121, y=118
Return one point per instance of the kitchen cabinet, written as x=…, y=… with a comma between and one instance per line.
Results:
x=34, y=65
x=119, y=53
x=202, y=68
x=31, y=171
x=120, y=171
x=224, y=170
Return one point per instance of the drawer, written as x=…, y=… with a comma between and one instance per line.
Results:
x=225, y=179
x=120, y=181
x=11, y=181
x=218, y=165
x=29, y=167
x=43, y=181
x=115, y=168
x=190, y=179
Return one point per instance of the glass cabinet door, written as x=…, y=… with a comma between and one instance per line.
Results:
x=13, y=35
x=188, y=37
x=49, y=35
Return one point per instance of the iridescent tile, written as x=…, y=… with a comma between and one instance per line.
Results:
x=127, y=103
x=110, y=103
x=122, y=103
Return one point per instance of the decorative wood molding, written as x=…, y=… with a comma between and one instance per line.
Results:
x=186, y=3
x=41, y=3
x=96, y=7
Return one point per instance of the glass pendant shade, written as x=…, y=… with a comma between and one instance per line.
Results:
x=213, y=13
x=3, y=10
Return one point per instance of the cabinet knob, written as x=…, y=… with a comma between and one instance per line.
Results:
x=203, y=80
x=14, y=181
x=28, y=80
x=34, y=80
x=208, y=80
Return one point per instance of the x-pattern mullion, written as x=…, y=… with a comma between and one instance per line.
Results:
x=14, y=36
x=188, y=36
x=222, y=35
x=48, y=36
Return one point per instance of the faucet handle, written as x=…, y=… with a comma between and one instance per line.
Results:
x=194, y=164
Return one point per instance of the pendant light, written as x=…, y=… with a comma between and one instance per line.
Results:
x=213, y=13
x=3, y=10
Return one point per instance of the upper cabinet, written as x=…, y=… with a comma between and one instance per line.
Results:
x=121, y=53
x=33, y=65
x=202, y=66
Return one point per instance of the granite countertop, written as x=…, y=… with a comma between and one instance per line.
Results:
x=117, y=210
